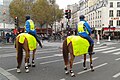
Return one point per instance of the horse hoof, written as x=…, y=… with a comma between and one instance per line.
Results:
x=92, y=70
x=66, y=72
x=29, y=65
x=18, y=71
x=72, y=75
x=33, y=65
x=27, y=70
x=85, y=68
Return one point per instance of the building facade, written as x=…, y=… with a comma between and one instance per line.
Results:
x=101, y=14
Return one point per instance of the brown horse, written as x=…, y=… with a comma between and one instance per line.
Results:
x=19, y=48
x=68, y=49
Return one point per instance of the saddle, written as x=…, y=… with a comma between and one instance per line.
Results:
x=80, y=45
x=32, y=44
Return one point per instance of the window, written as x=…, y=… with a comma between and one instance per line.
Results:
x=111, y=13
x=118, y=4
x=118, y=13
x=111, y=22
x=111, y=4
x=118, y=22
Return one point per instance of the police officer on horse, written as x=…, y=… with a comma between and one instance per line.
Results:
x=84, y=30
x=30, y=29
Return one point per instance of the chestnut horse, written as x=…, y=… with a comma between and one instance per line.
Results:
x=68, y=49
x=25, y=45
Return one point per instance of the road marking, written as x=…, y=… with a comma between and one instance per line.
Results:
x=94, y=68
x=100, y=47
x=55, y=55
x=88, y=60
x=11, y=69
x=104, y=49
x=62, y=79
x=116, y=75
x=51, y=61
x=116, y=53
x=117, y=59
x=7, y=74
x=111, y=50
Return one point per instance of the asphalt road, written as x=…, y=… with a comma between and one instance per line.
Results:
x=50, y=66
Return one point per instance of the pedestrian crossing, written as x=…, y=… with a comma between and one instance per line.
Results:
x=107, y=49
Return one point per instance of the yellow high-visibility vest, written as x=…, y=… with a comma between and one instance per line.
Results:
x=81, y=27
x=32, y=26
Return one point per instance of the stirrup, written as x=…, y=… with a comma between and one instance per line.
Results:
x=91, y=53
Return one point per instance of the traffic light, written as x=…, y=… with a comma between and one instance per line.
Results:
x=68, y=14
x=16, y=21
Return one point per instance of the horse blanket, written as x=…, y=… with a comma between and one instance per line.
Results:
x=80, y=45
x=32, y=44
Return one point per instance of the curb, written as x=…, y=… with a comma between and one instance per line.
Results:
x=7, y=75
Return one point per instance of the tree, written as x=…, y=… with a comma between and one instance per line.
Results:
x=40, y=11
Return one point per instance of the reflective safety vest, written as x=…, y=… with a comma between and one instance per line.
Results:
x=32, y=26
x=81, y=27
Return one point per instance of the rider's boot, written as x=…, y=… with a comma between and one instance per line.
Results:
x=91, y=49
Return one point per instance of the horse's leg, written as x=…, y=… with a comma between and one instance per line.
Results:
x=71, y=64
x=26, y=60
x=65, y=56
x=91, y=65
x=19, y=55
x=33, y=56
x=84, y=63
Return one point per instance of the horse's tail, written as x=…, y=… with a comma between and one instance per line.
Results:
x=19, y=51
x=65, y=51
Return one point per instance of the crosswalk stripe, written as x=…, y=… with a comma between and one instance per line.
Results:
x=111, y=50
x=100, y=47
x=116, y=53
x=104, y=49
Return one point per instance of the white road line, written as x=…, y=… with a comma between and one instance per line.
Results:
x=104, y=49
x=11, y=69
x=117, y=59
x=48, y=49
x=7, y=74
x=111, y=50
x=55, y=55
x=100, y=47
x=94, y=68
x=116, y=53
x=116, y=75
x=51, y=61
x=88, y=60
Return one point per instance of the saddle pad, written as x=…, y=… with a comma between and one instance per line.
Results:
x=31, y=40
x=80, y=45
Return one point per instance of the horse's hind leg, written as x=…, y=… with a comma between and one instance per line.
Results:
x=71, y=64
x=91, y=65
x=33, y=57
x=84, y=63
x=65, y=56
x=26, y=60
x=19, y=55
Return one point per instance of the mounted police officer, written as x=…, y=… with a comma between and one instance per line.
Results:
x=84, y=30
x=30, y=29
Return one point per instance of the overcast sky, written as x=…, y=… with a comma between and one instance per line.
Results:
x=63, y=3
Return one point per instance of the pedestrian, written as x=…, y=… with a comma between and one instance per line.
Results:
x=30, y=29
x=84, y=30
x=7, y=37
